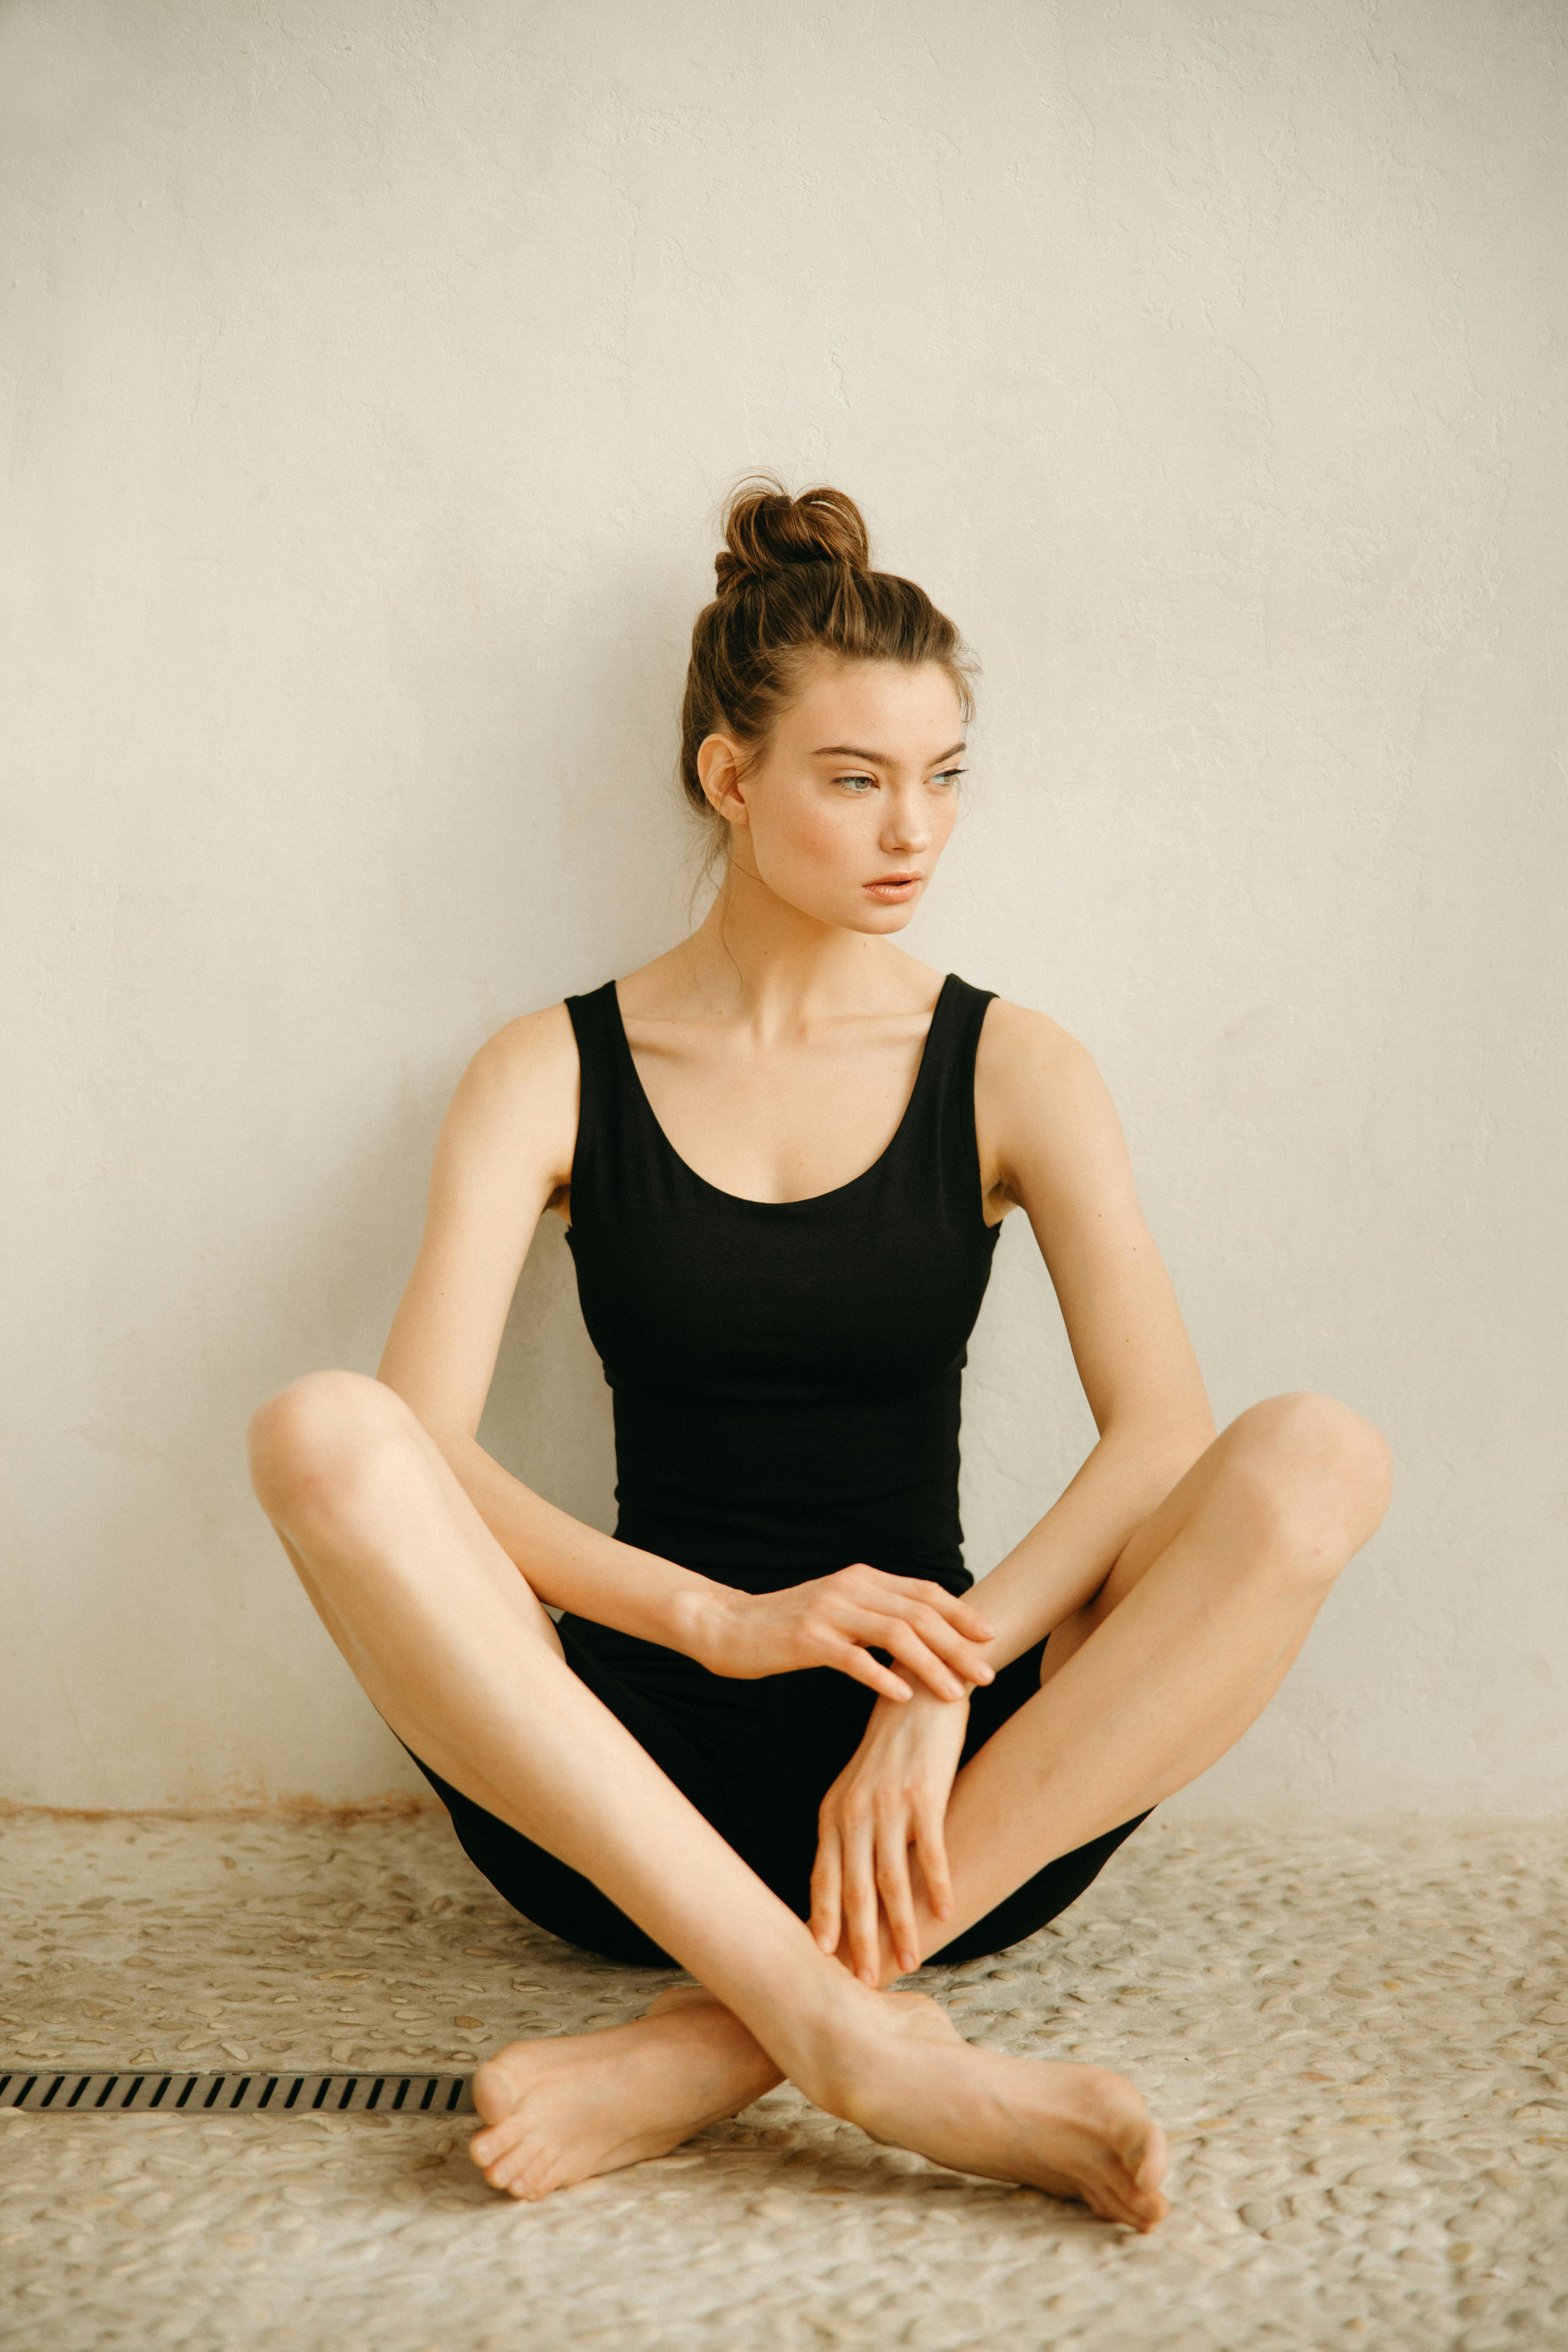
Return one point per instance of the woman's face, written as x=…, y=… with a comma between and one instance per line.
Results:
x=847, y=811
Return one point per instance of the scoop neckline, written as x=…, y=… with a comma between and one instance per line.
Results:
x=809, y=1199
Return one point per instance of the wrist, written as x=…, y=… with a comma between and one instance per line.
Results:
x=704, y=1616
x=922, y=1707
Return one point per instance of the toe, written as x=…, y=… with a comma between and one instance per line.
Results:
x=488, y=2146
x=1148, y=2166
x=495, y=2091
x=532, y=2181
x=1112, y=2198
x=1142, y=2209
x=525, y=2169
x=1123, y=2124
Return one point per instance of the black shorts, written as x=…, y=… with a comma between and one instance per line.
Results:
x=756, y=1759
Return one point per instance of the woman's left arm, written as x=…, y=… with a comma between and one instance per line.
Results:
x=1051, y=1142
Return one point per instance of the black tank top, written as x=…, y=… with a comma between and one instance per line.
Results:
x=786, y=1374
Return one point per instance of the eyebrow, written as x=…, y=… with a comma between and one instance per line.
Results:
x=879, y=758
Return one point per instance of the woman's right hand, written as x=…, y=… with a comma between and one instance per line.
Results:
x=837, y=1620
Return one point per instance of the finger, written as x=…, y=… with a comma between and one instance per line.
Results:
x=861, y=1914
x=893, y=1886
x=861, y=1667
x=895, y=1634
x=956, y=1610
x=827, y=1881
x=954, y=1648
x=931, y=1849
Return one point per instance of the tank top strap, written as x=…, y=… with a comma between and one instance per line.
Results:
x=939, y=1138
x=606, y=1110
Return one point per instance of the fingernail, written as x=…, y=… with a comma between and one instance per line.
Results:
x=867, y=1977
x=908, y=1963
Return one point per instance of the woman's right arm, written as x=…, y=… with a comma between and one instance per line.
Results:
x=503, y=1156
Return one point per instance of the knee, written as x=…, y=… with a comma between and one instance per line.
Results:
x=1313, y=1477
x=310, y=1444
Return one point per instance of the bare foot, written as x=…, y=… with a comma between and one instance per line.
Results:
x=559, y=2110
x=1074, y=2131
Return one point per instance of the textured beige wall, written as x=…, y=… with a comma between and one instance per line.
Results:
x=370, y=374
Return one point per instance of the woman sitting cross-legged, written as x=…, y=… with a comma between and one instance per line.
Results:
x=779, y=1737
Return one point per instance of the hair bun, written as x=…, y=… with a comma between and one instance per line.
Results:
x=767, y=530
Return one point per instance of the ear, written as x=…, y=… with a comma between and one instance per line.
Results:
x=719, y=771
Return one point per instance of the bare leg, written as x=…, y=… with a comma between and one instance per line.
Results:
x=1189, y=1638
x=1226, y=1577
x=459, y=1657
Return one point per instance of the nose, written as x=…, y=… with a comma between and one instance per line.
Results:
x=907, y=820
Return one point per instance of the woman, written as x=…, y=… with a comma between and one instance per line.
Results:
x=776, y=1737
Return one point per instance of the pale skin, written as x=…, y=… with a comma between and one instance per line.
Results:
x=1176, y=1577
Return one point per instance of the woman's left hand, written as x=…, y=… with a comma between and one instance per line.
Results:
x=891, y=1794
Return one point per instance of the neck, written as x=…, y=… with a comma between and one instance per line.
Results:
x=756, y=957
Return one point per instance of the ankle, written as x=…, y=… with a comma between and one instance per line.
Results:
x=838, y=2050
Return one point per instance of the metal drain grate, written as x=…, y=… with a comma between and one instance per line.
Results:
x=42, y=2090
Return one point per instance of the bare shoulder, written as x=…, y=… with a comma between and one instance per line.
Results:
x=519, y=1093
x=1022, y=1053
x=533, y=1047
x=1040, y=1103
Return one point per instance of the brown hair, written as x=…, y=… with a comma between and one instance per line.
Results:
x=794, y=579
